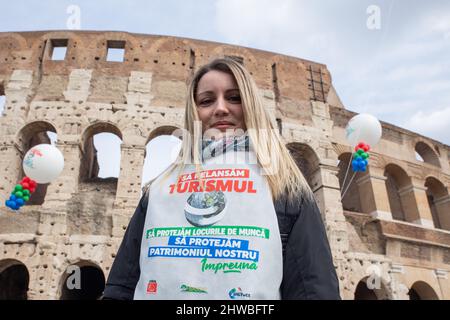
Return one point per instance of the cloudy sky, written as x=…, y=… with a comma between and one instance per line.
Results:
x=389, y=58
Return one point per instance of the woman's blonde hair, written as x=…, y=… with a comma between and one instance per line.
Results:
x=282, y=173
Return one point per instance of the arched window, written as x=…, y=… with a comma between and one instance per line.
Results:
x=373, y=291
x=101, y=153
x=421, y=290
x=351, y=200
x=32, y=134
x=307, y=161
x=14, y=280
x=396, y=181
x=439, y=202
x=82, y=281
x=426, y=154
x=162, y=148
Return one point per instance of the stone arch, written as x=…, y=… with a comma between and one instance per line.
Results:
x=397, y=181
x=363, y=291
x=351, y=200
x=82, y=280
x=14, y=280
x=158, y=139
x=89, y=164
x=439, y=202
x=420, y=290
x=30, y=135
x=427, y=153
x=307, y=161
x=164, y=130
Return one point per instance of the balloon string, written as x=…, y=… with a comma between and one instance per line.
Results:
x=343, y=195
x=346, y=173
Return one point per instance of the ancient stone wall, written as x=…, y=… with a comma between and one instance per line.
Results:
x=394, y=222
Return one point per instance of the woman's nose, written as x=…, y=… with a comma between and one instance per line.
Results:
x=221, y=107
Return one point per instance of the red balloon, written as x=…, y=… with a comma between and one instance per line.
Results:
x=359, y=146
x=25, y=185
x=32, y=190
x=32, y=183
x=26, y=179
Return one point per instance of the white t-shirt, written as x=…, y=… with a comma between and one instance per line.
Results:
x=222, y=243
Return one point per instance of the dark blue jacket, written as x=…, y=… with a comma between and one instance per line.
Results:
x=308, y=271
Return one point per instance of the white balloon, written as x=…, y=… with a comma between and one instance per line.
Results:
x=43, y=163
x=363, y=128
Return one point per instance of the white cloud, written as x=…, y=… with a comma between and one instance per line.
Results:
x=285, y=26
x=393, y=72
x=436, y=22
x=431, y=87
x=435, y=124
x=255, y=20
x=423, y=70
x=251, y=18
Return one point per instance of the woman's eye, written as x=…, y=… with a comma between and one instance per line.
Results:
x=236, y=99
x=205, y=102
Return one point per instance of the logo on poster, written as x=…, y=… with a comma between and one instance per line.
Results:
x=152, y=287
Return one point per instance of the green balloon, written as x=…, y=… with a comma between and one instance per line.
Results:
x=18, y=194
x=26, y=198
x=26, y=192
x=360, y=151
x=365, y=155
x=18, y=187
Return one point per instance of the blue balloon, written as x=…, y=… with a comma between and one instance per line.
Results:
x=20, y=202
x=359, y=158
x=366, y=162
x=12, y=204
x=8, y=203
x=12, y=197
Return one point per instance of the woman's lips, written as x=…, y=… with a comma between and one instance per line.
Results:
x=222, y=125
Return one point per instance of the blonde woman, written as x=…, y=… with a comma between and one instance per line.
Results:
x=234, y=218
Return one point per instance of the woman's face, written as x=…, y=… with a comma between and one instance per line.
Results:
x=219, y=102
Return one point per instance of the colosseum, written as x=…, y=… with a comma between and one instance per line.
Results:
x=390, y=234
